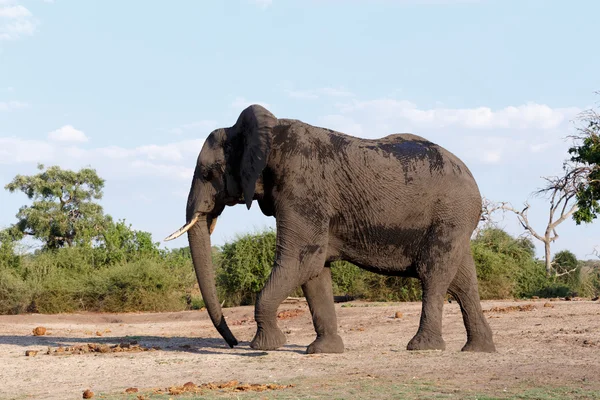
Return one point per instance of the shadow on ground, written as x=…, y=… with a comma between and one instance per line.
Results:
x=175, y=344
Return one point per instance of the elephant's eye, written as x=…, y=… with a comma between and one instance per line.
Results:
x=207, y=175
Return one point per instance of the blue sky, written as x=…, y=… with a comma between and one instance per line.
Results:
x=132, y=88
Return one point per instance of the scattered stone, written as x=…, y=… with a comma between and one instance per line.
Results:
x=131, y=390
x=398, y=314
x=548, y=305
x=101, y=348
x=39, y=331
x=231, y=386
x=535, y=297
x=98, y=333
x=595, y=298
x=88, y=394
x=31, y=353
x=568, y=298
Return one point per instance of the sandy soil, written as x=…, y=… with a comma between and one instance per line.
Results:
x=557, y=346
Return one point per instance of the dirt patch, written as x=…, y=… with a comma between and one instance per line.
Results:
x=502, y=310
x=554, y=349
x=288, y=314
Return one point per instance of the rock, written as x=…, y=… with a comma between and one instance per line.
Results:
x=31, y=353
x=398, y=314
x=105, y=348
x=88, y=394
x=190, y=385
x=39, y=331
x=131, y=390
x=568, y=298
x=548, y=305
x=595, y=298
x=535, y=297
x=98, y=333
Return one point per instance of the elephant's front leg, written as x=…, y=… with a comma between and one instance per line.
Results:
x=319, y=294
x=297, y=260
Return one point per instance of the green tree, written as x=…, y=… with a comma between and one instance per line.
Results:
x=63, y=211
x=584, y=167
x=245, y=265
x=568, y=269
x=118, y=242
x=566, y=260
x=8, y=258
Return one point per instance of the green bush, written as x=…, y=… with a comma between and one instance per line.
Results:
x=243, y=267
x=14, y=293
x=147, y=279
x=137, y=286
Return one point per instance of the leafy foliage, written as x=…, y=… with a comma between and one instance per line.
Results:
x=503, y=263
x=565, y=260
x=244, y=267
x=63, y=211
x=8, y=258
x=118, y=242
x=586, y=154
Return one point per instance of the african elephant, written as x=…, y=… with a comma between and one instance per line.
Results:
x=399, y=205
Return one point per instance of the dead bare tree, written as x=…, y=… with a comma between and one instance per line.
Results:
x=561, y=192
x=488, y=209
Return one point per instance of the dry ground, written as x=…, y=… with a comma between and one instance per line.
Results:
x=543, y=352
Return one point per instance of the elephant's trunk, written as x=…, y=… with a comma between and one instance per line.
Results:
x=199, y=239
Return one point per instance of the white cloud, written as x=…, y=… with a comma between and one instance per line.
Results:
x=12, y=105
x=262, y=3
x=14, y=150
x=241, y=103
x=317, y=93
x=14, y=12
x=67, y=134
x=172, y=160
x=15, y=21
x=480, y=134
x=526, y=116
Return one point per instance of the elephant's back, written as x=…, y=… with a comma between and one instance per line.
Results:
x=413, y=170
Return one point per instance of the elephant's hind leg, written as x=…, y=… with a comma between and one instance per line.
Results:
x=319, y=295
x=464, y=289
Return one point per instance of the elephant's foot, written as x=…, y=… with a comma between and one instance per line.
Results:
x=429, y=341
x=268, y=339
x=483, y=345
x=326, y=344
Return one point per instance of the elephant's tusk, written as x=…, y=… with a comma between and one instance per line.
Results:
x=182, y=230
x=212, y=226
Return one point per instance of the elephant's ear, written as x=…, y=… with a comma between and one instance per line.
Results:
x=255, y=125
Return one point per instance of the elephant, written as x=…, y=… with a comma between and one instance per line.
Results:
x=399, y=206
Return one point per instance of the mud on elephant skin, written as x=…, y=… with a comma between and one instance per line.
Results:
x=399, y=205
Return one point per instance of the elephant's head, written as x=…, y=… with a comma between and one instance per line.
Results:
x=228, y=168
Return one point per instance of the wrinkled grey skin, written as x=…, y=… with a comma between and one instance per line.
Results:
x=399, y=205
